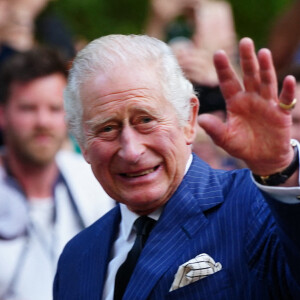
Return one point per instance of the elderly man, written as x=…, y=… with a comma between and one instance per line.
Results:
x=215, y=234
x=46, y=195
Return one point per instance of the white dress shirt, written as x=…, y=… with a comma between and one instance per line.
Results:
x=122, y=246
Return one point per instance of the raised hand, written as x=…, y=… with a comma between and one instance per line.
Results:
x=257, y=129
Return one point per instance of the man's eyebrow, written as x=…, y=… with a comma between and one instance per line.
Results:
x=148, y=111
x=97, y=121
x=143, y=110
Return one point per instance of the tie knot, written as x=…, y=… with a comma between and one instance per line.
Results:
x=143, y=225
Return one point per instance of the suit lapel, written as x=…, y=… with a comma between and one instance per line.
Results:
x=93, y=265
x=181, y=219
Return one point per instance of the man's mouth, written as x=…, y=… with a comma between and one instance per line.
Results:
x=139, y=174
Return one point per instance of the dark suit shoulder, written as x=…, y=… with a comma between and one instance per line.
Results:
x=203, y=179
x=84, y=240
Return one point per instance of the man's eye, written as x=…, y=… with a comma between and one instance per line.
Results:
x=146, y=120
x=108, y=132
x=56, y=109
x=27, y=108
x=145, y=124
x=107, y=129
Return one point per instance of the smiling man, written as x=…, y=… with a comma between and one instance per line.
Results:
x=143, y=166
x=182, y=230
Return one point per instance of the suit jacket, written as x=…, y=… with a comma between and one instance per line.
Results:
x=220, y=213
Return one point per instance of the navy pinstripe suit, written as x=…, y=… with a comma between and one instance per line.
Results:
x=219, y=213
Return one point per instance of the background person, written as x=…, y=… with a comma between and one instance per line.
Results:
x=135, y=115
x=284, y=38
x=197, y=66
x=46, y=195
x=195, y=29
x=26, y=23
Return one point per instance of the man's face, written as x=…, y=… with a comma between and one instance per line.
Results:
x=296, y=116
x=33, y=119
x=137, y=150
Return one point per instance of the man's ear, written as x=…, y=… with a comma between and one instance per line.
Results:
x=85, y=154
x=83, y=146
x=190, y=127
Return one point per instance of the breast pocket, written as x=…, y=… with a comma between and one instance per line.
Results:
x=211, y=287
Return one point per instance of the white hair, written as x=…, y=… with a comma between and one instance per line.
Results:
x=108, y=52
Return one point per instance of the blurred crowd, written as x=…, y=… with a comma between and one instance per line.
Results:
x=26, y=23
x=47, y=191
x=195, y=29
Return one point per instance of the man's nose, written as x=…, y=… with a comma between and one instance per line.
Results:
x=43, y=117
x=132, y=146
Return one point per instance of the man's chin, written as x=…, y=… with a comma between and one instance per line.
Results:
x=41, y=161
x=41, y=156
x=144, y=206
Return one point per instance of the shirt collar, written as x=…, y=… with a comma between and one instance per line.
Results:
x=129, y=217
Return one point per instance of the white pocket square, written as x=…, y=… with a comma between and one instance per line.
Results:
x=195, y=269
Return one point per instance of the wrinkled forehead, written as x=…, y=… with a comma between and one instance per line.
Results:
x=122, y=78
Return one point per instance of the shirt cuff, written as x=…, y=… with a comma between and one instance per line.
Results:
x=288, y=195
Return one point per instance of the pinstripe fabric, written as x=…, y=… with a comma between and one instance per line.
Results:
x=215, y=212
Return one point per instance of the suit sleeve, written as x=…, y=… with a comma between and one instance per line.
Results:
x=287, y=217
x=273, y=245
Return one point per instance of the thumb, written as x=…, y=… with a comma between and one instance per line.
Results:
x=214, y=127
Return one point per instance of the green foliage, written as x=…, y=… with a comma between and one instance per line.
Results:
x=253, y=18
x=94, y=18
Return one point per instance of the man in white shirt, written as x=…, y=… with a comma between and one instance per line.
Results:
x=46, y=195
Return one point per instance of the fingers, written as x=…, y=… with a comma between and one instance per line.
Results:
x=259, y=75
x=288, y=90
x=214, y=127
x=268, y=85
x=258, y=71
x=249, y=65
x=228, y=79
